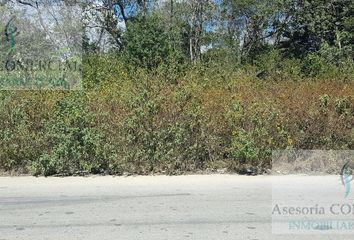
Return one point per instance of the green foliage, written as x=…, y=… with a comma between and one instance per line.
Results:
x=101, y=69
x=139, y=123
x=147, y=44
x=314, y=65
x=328, y=62
x=245, y=149
x=276, y=67
x=159, y=137
x=256, y=131
x=72, y=142
x=19, y=142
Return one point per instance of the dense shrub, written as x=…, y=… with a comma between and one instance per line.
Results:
x=72, y=144
x=278, y=68
x=257, y=130
x=329, y=63
x=161, y=132
x=214, y=116
x=22, y=117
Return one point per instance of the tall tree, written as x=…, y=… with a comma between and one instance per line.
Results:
x=147, y=43
x=252, y=25
x=315, y=22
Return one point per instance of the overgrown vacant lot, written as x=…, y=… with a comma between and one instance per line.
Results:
x=173, y=86
x=208, y=118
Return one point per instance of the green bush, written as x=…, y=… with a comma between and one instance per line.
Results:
x=72, y=144
x=157, y=138
x=315, y=66
x=256, y=131
x=21, y=131
x=274, y=66
x=329, y=63
x=149, y=45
